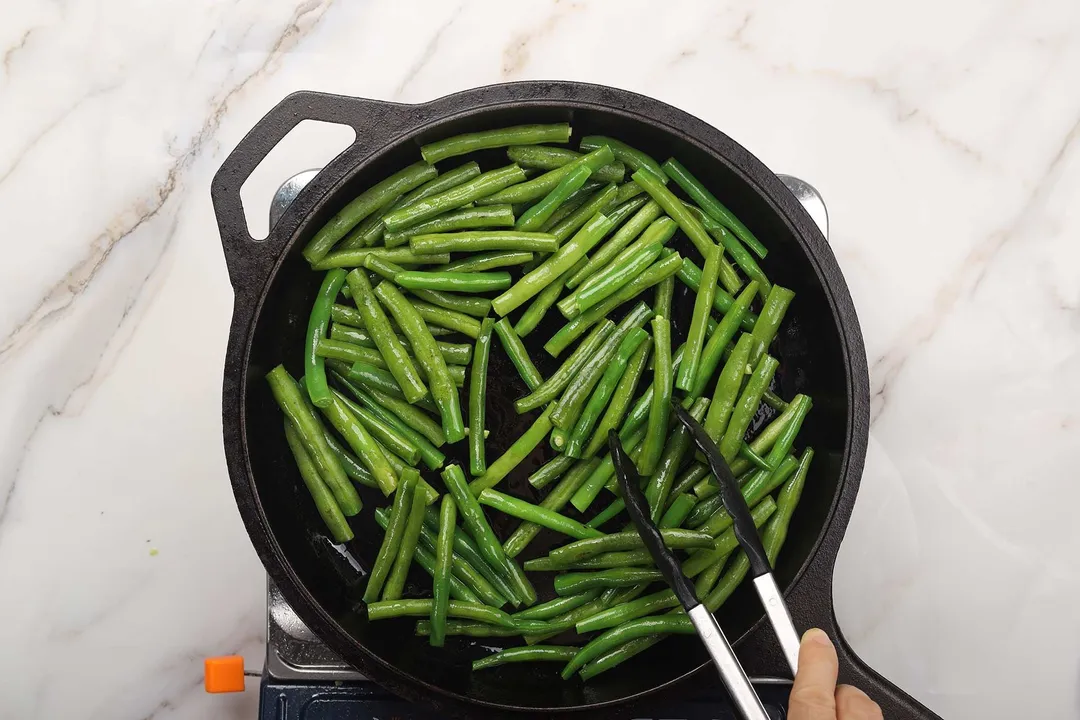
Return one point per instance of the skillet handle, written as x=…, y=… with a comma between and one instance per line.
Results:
x=375, y=123
x=811, y=605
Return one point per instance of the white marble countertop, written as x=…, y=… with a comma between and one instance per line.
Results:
x=942, y=135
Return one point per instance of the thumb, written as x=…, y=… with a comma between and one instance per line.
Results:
x=813, y=696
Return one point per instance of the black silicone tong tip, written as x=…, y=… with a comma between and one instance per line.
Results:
x=638, y=509
x=742, y=521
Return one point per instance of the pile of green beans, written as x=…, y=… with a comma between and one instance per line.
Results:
x=421, y=272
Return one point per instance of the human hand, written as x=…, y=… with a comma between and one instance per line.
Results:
x=815, y=696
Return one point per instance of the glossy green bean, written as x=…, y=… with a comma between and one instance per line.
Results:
x=555, y=500
x=614, y=372
x=754, y=490
x=556, y=607
x=572, y=583
x=318, y=324
x=313, y=436
x=551, y=653
x=348, y=352
x=577, y=198
x=478, y=398
x=647, y=605
x=659, y=485
x=686, y=482
x=663, y=268
x=538, y=187
x=469, y=628
x=605, y=471
x=453, y=353
x=400, y=255
x=372, y=377
x=743, y=259
x=349, y=463
x=549, y=158
x=776, y=530
x=720, y=338
x=424, y=558
x=620, y=398
x=677, y=509
x=660, y=409
x=368, y=202
x=533, y=218
x=561, y=261
x=726, y=542
x=479, y=612
x=483, y=185
x=613, y=510
x=466, y=218
x=440, y=150
x=665, y=293
x=629, y=631
x=444, y=556
x=543, y=301
x=519, y=356
x=550, y=388
x=674, y=538
x=484, y=240
x=382, y=430
x=631, y=157
x=410, y=536
x=786, y=440
x=395, y=528
x=516, y=576
x=602, y=201
x=634, y=227
x=453, y=281
x=443, y=390
x=713, y=207
x=747, y=406
x=462, y=569
x=609, y=280
x=473, y=516
x=514, y=455
x=465, y=548
x=551, y=471
x=537, y=514
x=728, y=386
x=772, y=314
x=707, y=578
x=603, y=561
x=690, y=276
x=434, y=315
x=490, y=261
x=325, y=503
x=695, y=338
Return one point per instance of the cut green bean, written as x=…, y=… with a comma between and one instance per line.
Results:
x=543, y=301
x=678, y=508
x=634, y=629
x=551, y=471
x=517, y=353
x=665, y=293
x=660, y=409
x=728, y=387
x=620, y=398
x=573, y=583
x=478, y=398
x=598, y=204
x=481, y=186
x=690, y=276
x=469, y=628
x=772, y=313
x=647, y=605
x=395, y=528
x=372, y=377
x=533, y=218
x=522, y=587
x=776, y=529
x=467, y=549
x=538, y=187
x=318, y=324
x=558, y=606
x=453, y=353
x=674, y=538
x=550, y=653
x=350, y=464
x=434, y=315
x=461, y=568
x=747, y=406
x=605, y=471
x=568, y=619
x=786, y=440
x=629, y=156
x=754, y=490
x=399, y=255
x=549, y=158
x=612, y=374
x=648, y=212
x=490, y=261
x=485, y=139
x=662, y=480
x=572, y=204
x=742, y=258
x=482, y=240
x=720, y=339
x=424, y=558
x=473, y=516
x=325, y=503
x=556, y=500
x=444, y=555
x=713, y=207
x=726, y=542
x=466, y=218
x=550, y=388
x=537, y=514
x=368, y=202
x=453, y=281
x=514, y=455
x=479, y=612
x=382, y=430
x=695, y=339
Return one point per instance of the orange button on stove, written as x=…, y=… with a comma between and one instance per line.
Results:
x=224, y=674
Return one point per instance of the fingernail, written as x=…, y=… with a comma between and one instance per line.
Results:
x=814, y=635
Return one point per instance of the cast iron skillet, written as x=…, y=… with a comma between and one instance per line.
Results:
x=821, y=350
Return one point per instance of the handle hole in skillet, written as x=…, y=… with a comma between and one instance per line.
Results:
x=311, y=144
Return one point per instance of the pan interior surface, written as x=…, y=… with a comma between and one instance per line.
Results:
x=812, y=359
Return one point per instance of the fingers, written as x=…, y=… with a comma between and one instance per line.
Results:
x=853, y=704
x=813, y=694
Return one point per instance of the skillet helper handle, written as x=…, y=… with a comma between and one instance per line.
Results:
x=735, y=680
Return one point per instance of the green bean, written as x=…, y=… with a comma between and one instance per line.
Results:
x=382, y=430
x=517, y=353
x=726, y=541
x=665, y=293
x=674, y=538
x=772, y=313
x=476, y=306
x=469, y=552
x=665, y=267
x=620, y=398
x=584, y=497
x=419, y=608
x=677, y=509
x=376, y=197
x=556, y=500
x=649, y=212
x=720, y=339
x=727, y=388
x=443, y=390
x=349, y=463
x=631, y=157
x=473, y=516
x=466, y=218
x=660, y=409
x=514, y=455
x=444, y=555
x=713, y=207
x=468, y=628
x=378, y=325
x=628, y=631
x=557, y=653
x=549, y=389
x=288, y=396
x=660, y=483
x=614, y=509
x=325, y=503
x=688, y=479
x=647, y=605
x=477, y=398
x=347, y=352
x=358, y=437
x=788, y=497
x=434, y=315
x=756, y=460
x=535, y=513
x=395, y=528
x=628, y=191
x=551, y=471
x=612, y=374
x=461, y=568
x=539, y=213
x=478, y=240
x=540, y=186
x=598, y=204
x=689, y=225
x=318, y=324
x=747, y=406
x=639, y=413
x=695, y=339
x=458, y=589
x=542, y=303
x=549, y=158
x=786, y=439
x=516, y=576
x=577, y=198
x=768, y=397
x=604, y=561
x=485, y=139
x=490, y=261
x=742, y=258
x=558, y=263
x=400, y=255
x=573, y=583
x=453, y=353
x=375, y=378
x=558, y=606
x=568, y=619
x=706, y=580
x=452, y=281
x=481, y=186
x=690, y=275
